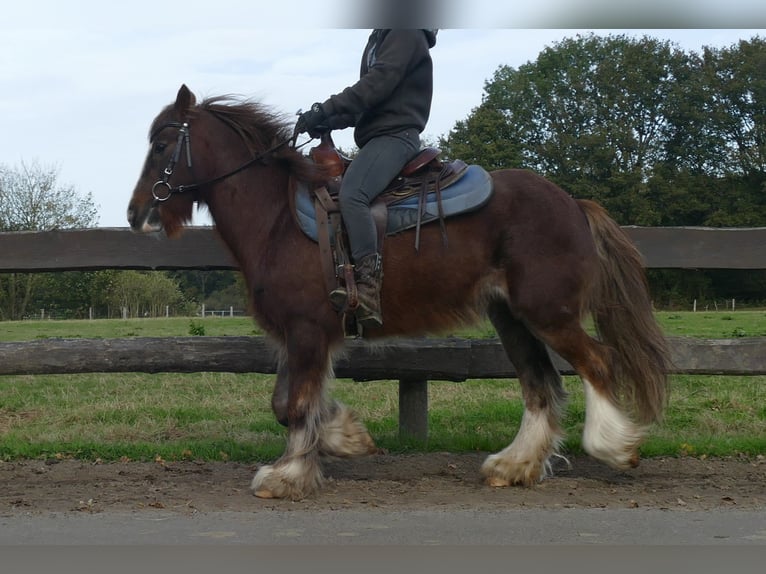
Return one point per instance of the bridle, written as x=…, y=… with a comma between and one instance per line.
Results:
x=183, y=142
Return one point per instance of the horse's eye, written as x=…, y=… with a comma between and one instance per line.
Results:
x=159, y=147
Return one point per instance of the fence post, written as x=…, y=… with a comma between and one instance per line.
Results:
x=413, y=409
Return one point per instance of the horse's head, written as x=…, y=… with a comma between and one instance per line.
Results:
x=236, y=144
x=158, y=201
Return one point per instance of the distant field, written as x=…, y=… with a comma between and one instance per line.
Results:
x=117, y=328
x=706, y=324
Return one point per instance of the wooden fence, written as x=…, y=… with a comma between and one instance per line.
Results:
x=413, y=362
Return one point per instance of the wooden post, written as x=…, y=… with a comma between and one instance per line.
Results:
x=413, y=409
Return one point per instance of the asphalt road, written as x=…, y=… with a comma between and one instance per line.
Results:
x=366, y=527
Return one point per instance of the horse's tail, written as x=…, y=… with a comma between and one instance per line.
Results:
x=622, y=312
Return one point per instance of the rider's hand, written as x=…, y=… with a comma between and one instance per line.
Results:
x=312, y=122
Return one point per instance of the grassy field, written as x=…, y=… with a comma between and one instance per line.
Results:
x=222, y=416
x=706, y=324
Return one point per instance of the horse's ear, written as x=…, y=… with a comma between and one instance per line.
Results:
x=184, y=100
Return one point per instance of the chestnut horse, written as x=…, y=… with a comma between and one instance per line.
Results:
x=534, y=260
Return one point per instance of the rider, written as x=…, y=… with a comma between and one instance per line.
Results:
x=388, y=107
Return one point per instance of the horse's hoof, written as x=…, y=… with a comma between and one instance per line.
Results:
x=501, y=470
x=497, y=482
x=292, y=479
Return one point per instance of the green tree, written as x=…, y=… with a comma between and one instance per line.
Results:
x=589, y=113
x=31, y=199
x=656, y=135
x=144, y=293
x=203, y=285
x=484, y=138
x=737, y=78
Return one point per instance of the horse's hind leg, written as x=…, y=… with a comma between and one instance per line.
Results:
x=526, y=460
x=342, y=434
x=610, y=434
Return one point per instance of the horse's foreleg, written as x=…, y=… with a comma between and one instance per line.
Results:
x=526, y=460
x=297, y=473
x=315, y=425
x=281, y=393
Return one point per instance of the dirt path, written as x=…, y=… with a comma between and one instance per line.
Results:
x=419, y=481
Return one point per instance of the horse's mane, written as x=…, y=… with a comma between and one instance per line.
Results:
x=262, y=129
x=258, y=126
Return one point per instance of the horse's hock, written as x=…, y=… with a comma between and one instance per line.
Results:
x=412, y=362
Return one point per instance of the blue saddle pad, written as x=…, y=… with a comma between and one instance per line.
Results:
x=469, y=193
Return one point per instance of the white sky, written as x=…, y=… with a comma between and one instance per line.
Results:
x=80, y=81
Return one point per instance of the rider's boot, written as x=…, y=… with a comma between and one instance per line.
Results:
x=369, y=278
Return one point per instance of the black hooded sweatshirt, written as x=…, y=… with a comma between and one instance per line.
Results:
x=394, y=90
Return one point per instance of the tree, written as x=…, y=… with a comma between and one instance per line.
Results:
x=589, y=113
x=656, y=135
x=31, y=199
x=484, y=138
x=144, y=293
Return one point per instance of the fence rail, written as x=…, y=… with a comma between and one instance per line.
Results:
x=452, y=359
x=412, y=361
x=199, y=248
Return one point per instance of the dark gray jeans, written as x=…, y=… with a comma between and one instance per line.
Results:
x=378, y=162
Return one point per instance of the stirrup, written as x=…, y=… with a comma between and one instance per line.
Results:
x=339, y=298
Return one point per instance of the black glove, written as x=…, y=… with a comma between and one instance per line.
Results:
x=314, y=121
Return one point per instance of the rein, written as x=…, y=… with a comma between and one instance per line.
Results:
x=184, y=142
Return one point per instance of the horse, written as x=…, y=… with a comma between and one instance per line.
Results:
x=533, y=260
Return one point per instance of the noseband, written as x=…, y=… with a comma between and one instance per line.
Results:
x=184, y=142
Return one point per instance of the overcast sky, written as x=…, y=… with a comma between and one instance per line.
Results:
x=80, y=81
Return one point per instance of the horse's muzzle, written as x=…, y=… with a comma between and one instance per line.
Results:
x=146, y=220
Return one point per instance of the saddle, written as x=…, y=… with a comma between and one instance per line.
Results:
x=426, y=189
x=422, y=175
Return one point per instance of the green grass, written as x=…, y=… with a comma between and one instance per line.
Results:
x=714, y=324
x=705, y=324
x=118, y=328
x=224, y=416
